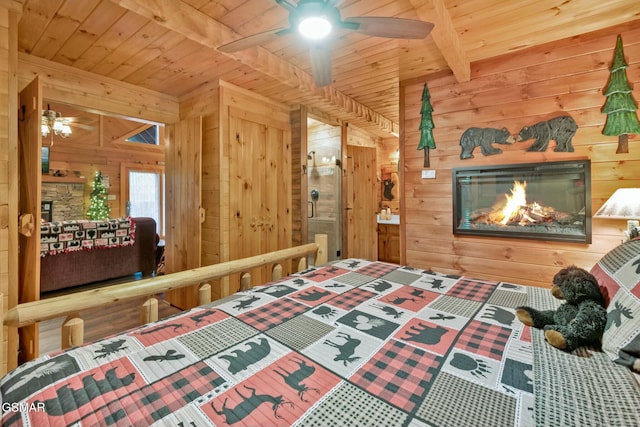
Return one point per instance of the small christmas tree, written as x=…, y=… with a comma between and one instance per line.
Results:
x=426, y=126
x=98, y=205
x=620, y=106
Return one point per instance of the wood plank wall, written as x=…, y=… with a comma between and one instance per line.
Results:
x=298, y=121
x=513, y=91
x=9, y=13
x=206, y=104
x=183, y=203
x=233, y=209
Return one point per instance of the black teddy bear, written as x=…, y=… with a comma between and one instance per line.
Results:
x=580, y=320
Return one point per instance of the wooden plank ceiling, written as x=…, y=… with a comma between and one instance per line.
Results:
x=170, y=45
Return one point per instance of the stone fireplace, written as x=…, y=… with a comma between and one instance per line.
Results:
x=67, y=199
x=544, y=201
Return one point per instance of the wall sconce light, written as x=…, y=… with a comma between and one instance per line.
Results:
x=623, y=204
x=395, y=156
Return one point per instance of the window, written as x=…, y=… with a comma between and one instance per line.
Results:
x=150, y=135
x=145, y=190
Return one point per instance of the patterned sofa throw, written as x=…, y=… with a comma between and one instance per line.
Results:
x=69, y=236
x=618, y=273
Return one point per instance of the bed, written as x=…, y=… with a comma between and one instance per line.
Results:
x=354, y=342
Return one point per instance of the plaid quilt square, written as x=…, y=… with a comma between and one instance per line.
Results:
x=453, y=401
x=484, y=339
x=268, y=316
x=401, y=276
x=474, y=290
x=212, y=339
x=354, y=279
x=399, y=374
x=348, y=403
x=300, y=332
x=377, y=269
x=352, y=298
x=179, y=325
x=325, y=273
x=507, y=298
x=157, y=400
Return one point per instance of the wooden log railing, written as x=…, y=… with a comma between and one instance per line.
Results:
x=73, y=328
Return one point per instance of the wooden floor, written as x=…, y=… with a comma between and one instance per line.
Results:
x=99, y=323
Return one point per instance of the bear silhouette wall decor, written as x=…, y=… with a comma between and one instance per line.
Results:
x=561, y=129
x=483, y=138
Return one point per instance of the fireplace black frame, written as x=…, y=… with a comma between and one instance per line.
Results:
x=572, y=169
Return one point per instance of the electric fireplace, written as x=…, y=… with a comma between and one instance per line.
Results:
x=545, y=201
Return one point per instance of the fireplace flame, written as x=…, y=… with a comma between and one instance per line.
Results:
x=515, y=209
x=514, y=204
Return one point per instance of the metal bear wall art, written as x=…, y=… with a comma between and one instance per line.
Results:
x=560, y=129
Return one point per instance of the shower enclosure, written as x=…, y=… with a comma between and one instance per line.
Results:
x=324, y=182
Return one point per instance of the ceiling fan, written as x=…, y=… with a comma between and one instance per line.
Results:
x=316, y=20
x=53, y=122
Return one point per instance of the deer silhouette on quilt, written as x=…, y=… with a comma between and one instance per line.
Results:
x=346, y=350
x=295, y=379
x=249, y=404
x=389, y=311
x=246, y=303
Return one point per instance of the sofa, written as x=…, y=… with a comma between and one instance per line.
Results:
x=75, y=253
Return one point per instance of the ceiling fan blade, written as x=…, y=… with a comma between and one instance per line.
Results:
x=321, y=65
x=390, y=27
x=81, y=126
x=253, y=40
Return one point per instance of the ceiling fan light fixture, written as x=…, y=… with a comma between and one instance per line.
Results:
x=57, y=126
x=52, y=121
x=65, y=130
x=315, y=27
x=44, y=128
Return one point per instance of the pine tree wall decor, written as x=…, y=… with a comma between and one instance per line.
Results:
x=620, y=106
x=98, y=201
x=426, y=125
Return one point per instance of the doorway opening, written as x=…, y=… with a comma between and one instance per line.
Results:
x=144, y=189
x=324, y=183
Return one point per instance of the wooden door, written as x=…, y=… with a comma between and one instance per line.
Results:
x=183, y=167
x=259, y=188
x=30, y=158
x=361, y=224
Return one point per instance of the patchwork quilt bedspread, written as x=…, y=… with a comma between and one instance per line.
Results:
x=352, y=343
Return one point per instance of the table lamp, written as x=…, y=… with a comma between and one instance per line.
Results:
x=623, y=204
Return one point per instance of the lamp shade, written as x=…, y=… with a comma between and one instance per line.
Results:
x=623, y=204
